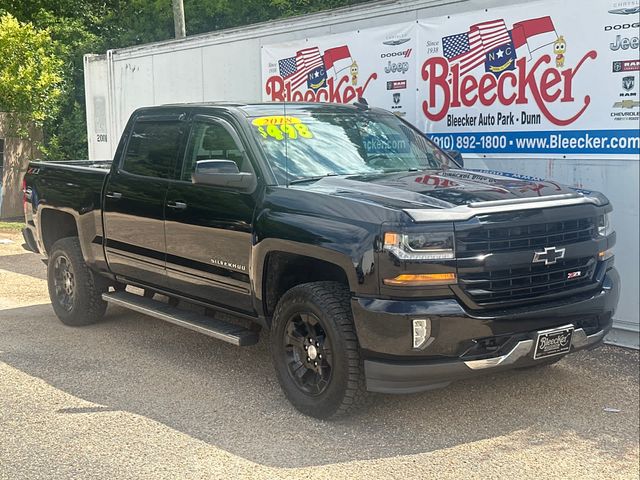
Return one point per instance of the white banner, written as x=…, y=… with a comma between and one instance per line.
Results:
x=526, y=80
x=377, y=64
x=532, y=79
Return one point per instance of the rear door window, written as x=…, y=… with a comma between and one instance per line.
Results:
x=153, y=148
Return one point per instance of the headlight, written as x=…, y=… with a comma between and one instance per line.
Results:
x=605, y=228
x=420, y=246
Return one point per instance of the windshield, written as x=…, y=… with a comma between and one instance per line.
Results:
x=310, y=145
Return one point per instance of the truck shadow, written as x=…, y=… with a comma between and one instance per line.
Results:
x=229, y=397
x=17, y=264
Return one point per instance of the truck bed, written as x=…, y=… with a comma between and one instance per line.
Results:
x=101, y=165
x=66, y=193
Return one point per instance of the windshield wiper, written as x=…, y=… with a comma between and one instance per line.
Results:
x=313, y=179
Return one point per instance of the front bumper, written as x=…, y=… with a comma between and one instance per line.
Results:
x=385, y=377
x=392, y=366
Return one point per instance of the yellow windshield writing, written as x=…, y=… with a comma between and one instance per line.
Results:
x=277, y=126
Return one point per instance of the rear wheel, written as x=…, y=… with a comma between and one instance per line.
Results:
x=315, y=350
x=75, y=292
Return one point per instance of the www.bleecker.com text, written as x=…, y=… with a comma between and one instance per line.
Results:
x=487, y=119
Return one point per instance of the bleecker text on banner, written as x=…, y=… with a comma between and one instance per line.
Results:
x=529, y=79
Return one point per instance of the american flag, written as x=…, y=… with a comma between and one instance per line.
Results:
x=295, y=69
x=469, y=49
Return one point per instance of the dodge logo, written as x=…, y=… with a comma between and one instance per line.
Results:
x=550, y=255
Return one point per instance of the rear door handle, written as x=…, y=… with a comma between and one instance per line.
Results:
x=114, y=195
x=177, y=205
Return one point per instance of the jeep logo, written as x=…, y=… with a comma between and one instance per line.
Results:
x=624, y=43
x=399, y=67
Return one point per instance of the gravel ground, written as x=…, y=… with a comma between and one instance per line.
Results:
x=132, y=397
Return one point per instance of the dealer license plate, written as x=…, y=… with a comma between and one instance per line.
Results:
x=552, y=342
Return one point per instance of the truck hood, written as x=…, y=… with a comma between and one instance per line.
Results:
x=434, y=189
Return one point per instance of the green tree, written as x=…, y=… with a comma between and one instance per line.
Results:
x=77, y=27
x=141, y=21
x=31, y=73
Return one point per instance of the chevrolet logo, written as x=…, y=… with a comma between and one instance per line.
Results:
x=549, y=256
x=626, y=104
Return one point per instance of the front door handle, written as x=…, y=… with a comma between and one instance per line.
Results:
x=177, y=205
x=114, y=195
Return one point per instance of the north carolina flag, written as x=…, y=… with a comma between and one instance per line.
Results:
x=337, y=58
x=530, y=35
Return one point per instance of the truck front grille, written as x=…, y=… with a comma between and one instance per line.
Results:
x=526, y=284
x=495, y=238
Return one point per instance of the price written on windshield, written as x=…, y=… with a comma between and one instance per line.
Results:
x=278, y=127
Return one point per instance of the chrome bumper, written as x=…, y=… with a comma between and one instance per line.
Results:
x=525, y=348
x=390, y=377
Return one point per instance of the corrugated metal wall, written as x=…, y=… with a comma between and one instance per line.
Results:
x=226, y=66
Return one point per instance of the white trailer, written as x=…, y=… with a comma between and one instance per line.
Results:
x=230, y=65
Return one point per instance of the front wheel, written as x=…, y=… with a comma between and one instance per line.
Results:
x=315, y=350
x=76, y=294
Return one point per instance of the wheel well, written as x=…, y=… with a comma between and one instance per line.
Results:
x=55, y=225
x=286, y=270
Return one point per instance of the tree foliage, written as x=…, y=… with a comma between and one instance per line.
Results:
x=77, y=27
x=31, y=73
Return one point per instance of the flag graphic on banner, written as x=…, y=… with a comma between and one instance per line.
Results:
x=470, y=49
x=338, y=58
x=296, y=70
x=311, y=67
x=530, y=35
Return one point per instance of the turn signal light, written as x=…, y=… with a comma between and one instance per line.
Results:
x=391, y=238
x=605, y=255
x=416, y=280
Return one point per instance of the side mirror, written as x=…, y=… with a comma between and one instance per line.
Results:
x=456, y=155
x=221, y=173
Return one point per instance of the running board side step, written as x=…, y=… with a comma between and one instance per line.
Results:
x=224, y=331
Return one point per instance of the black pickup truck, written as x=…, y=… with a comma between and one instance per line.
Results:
x=373, y=259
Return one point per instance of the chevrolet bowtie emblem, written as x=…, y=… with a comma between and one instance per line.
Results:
x=549, y=256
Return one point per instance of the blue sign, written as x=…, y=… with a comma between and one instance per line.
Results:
x=606, y=142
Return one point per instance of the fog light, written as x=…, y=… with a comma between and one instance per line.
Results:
x=421, y=332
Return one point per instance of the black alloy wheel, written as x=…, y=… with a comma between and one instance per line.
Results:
x=308, y=351
x=315, y=350
x=75, y=291
x=64, y=282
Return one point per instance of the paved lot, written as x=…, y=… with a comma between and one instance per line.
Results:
x=133, y=397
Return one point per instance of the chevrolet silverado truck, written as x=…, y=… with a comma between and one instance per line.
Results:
x=372, y=259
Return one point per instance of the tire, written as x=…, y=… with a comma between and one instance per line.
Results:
x=542, y=363
x=75, y=292
x=320, y=386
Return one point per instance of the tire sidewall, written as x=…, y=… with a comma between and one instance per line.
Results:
x=85, y=308
x=326, y=403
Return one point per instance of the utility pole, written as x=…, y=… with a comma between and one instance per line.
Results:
x=178, y=18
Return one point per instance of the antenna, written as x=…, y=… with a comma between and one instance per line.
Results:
x=362, y=103
x=286, y=142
